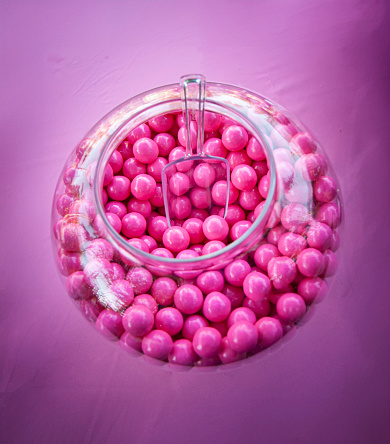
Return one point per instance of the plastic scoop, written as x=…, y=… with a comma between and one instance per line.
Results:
x=187, y=181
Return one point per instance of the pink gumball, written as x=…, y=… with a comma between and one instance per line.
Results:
x=119, y=188
x=325, y=189
x=236, y=272
x=329, y=213
x=204, y=175
x=282, y=271
x=291, y=244
x=109, y=324
x=147, y=301
x=241, y=314
x=188, y=299
x=312, y=289
x=161, y=123
x=176, y=239
x=140, y=278
x=132, y=167
x=145, y=150
x=215, y=228
x=163, y=290
x=192, y=324
x=138, y=133
x=157, y=344
x=269, y=330
x=227, y=355
x=216, y=307
x=182, y=353
x=264, y=254
x=290, y=307
x=242, y=336
x=244, y=177
x=310, y=262
x=256, y=286
x=234, y=138
x=207, y=342
x=169, y=319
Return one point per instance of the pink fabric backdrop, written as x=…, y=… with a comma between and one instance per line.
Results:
x=65, y=65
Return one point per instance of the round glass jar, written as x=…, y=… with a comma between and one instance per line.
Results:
x=272, y=269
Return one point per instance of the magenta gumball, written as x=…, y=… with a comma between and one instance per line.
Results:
x=109, y=324
x=204, y=175
x=169, y=319
x=163, y=290
x=256, y=286
x=210, y=281
x=77, y=286
x=145, y=150
x=140, y=278
x=241, y=314
x=330, y=264
x=207, y=342
x=236, y=272
x=281, y=271
x=166, y=143
x=242, y=336
x=139, y=132
x=118, y=208
x=290, y=307
x=188, y=299
x=234, y=138
x=182, y=353
x=130, y=343
x=234, y=214
x=303, y=143
x=291, y=244
x=116, y=161
x=269, y=330
x=147, y=301
x=325, y=189
x=214, y=147
x=157, y=227
x=244, y=177
x=133, y=225
x=120, y=295
x=143, y=187
x=312, y=289
x=119, y=188
x=319, y=236
x=216, y=307
x=227, y=355
x=192, y=324
x=234, y=294
x=157, y=344
x=138, y=320
x=99, y=248
x=215, y=228
x=239, y=228
x=295, y=217
x=260, y=308
x=161, y=123
x=311, y=262
x=176, y=239
x=219, y=193
x=264, y=254
x=132, y=167
x=329, y=213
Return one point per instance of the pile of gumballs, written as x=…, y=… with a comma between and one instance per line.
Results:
x=224, y=313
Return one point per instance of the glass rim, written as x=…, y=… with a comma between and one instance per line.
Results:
x=148, y=257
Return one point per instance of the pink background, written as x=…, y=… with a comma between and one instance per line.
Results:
x=66, y=64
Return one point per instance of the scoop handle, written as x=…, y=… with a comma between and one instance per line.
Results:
x=193, y=95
